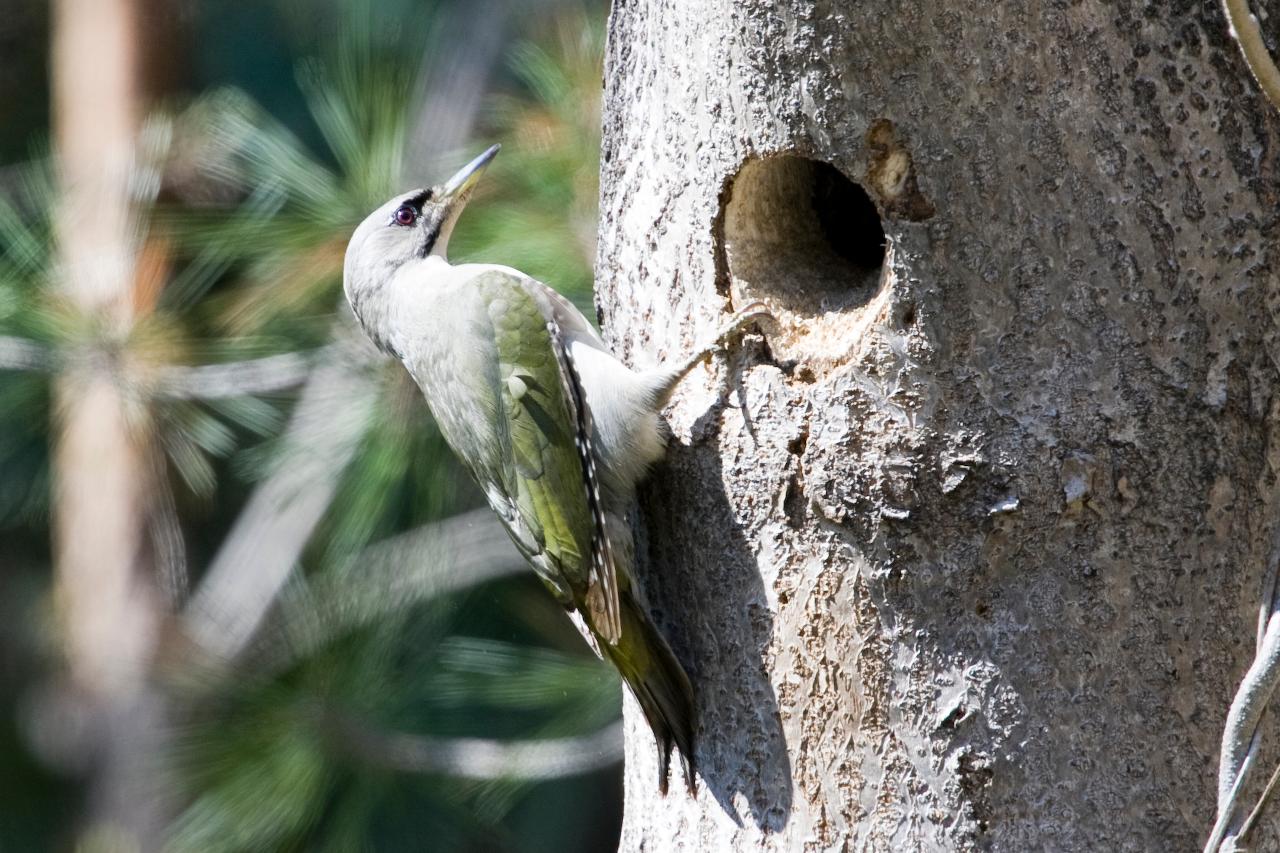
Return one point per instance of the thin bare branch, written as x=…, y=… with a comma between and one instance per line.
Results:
x=482, y=758
x=260, y=552
x=22, y=354
x=433, y=560
x=1262, y=801
x=1240, y=739
x=1244, y=28
x=237, y=379
x=1218, y=836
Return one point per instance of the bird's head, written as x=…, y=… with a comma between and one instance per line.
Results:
x=409, y=227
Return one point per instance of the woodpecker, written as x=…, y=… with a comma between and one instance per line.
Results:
x=556, y=431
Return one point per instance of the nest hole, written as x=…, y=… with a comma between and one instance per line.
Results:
x=800, y=236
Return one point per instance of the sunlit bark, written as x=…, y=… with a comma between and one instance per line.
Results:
x=966, y=557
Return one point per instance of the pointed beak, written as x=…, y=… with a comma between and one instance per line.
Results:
x=461, y=183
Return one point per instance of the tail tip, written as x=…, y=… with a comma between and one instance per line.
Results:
x=665, y=748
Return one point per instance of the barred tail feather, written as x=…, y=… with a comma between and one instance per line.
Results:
x=660, y=686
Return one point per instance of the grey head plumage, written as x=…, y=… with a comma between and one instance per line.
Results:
x=407, y=228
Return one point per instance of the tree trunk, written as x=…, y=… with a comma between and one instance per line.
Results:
x=965, y=553
x=104, y=469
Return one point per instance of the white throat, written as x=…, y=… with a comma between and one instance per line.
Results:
x=441, y=246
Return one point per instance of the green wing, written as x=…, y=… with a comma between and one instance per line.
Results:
x=549, y=475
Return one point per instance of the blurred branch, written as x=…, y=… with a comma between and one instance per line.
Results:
x=108, y=611
x=474, y=38
x=433, y=560
x=206, y=382
x=238, y=379
x=165, y=532
x=481, y=758
x=261, y=549
x=22, y=354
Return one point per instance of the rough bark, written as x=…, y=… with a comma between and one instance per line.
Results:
x=965, y=553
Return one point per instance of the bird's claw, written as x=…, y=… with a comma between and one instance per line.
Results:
x=757, y=310
x=754, y=312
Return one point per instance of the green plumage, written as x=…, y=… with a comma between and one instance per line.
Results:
x=508, y=401
x=543, y=474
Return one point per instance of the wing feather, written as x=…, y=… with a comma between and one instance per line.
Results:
x=551, y=477
x=602, y=592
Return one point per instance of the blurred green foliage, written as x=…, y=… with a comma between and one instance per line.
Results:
x=249, y=227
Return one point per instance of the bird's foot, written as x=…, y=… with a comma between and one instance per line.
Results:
x=753, y=313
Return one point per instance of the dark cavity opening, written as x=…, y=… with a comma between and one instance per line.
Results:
x=849, y=219
x=801, y=236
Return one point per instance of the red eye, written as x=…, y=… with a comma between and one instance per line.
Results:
x=406, y=215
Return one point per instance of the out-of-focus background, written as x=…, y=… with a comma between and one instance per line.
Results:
x=248, y=601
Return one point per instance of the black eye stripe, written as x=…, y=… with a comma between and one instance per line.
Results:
x=413, y=205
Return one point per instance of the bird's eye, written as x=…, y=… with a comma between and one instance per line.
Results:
x=406, y=215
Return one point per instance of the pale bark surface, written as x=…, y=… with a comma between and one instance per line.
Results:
x=967, y=556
